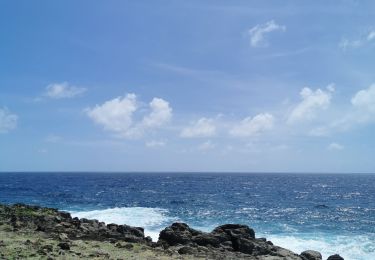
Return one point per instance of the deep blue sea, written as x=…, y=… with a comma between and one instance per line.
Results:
x=330, y=213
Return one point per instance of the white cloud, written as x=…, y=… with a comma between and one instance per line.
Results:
x=253, y=126
x=312, y=102
x=365, y=99
x=63, y=90
x=352, y=44
x=361, y=111
x=155, y=143
x=161, y=113
x=208, y=145
x=204, y=127
x=116, y=115
x=335, y=147
x=257, y=32
x=8, y=121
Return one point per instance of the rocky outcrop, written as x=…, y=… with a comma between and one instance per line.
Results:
x=229, y=241
x=61, y=225
x=311, y=255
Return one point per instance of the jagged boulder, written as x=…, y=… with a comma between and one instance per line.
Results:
x=226, y=239
x=311, y=255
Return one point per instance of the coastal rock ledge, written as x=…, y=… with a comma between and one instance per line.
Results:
x=34, y=232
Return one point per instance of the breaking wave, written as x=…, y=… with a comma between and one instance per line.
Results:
x=151, y=219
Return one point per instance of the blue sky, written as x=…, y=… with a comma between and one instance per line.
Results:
x=187, y=86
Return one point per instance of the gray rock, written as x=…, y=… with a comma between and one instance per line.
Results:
x=311, y=255
x=235, y=230
x=63, y=237
x=230, y=241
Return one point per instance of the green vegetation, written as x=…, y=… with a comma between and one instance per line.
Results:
x=36, y=245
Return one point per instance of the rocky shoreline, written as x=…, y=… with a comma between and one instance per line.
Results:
x=33, y=232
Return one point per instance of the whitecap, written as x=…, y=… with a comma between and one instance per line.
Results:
x=151, y=219
x=361, y=247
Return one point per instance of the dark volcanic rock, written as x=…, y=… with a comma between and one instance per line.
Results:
x=177, y=233
x=187, y=250
x=335, y=257
x=62, y=226
x=236, y=240
x=64, y=246
x=311, y=255
x=235, y=230
x=229, y=241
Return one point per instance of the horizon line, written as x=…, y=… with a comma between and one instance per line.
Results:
x=190, y=172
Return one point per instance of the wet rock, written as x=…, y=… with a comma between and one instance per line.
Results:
x=335, y=257
x=311, y=255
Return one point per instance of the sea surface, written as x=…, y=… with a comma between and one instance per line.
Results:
x=330, y=213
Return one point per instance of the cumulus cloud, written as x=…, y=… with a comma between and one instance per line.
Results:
x=116, y=115
x=363, y=104
x=63, y=90
x=361, y=111
x=312, y=102
x=8, y=121
x=161, y=113
x=253, y=126
x=352, y=44
x=335, y=147
x=204, y=127
x=365, y=99
x=258, y=32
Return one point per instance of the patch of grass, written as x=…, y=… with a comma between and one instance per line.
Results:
x=29, y=245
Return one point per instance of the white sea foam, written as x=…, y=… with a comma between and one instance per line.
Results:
x=349, y=247
x=151, y=219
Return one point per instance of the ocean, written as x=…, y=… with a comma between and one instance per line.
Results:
x=330, y=213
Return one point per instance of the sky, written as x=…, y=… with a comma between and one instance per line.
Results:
x=221, y=86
